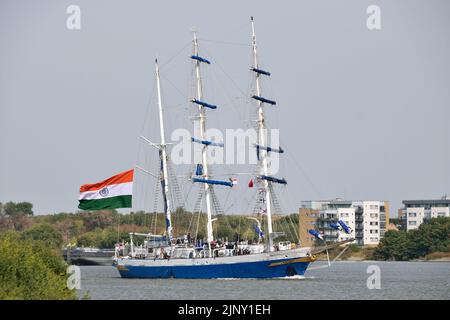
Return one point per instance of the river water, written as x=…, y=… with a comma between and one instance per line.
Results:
x=344, y=280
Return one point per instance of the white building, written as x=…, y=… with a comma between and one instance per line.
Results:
x=367, y=219
x=417, y=211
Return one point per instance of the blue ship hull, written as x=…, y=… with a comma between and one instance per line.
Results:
x=255, y=269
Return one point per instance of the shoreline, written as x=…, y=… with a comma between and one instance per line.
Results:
x=358, y=259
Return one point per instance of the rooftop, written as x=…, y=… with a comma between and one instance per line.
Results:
x=429, y=202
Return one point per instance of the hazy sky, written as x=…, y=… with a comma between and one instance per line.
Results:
x=362, y=114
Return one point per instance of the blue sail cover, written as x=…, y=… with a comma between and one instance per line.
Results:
x=265, y=100
x=204, y=104
x=163, y=186
x=198, y=58
x=335, y=226
x=199, y=170
x=268, y=149
x=260, y=71
x=209, y=181
x=273, y=179
x=258, y=231
x=207, y=143
x=316, y=234
x=346, y=228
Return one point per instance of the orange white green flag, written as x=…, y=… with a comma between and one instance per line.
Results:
x=112, y=193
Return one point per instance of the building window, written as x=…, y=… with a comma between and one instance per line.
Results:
x=373, y=223
x=373, y=207
x=441, y=214
x=412, y=214
x=412, y=223
x=374, y=215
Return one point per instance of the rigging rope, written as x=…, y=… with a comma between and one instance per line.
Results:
x=226, y=42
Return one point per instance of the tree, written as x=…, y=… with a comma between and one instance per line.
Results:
x=89, y=239
x=431, y=236
x=13, y=209
x=393, y=246
x=45, y=233
x=31, y=270
x=15, y=216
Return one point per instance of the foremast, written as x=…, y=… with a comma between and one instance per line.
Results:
x=262, y=147
x=164, y=172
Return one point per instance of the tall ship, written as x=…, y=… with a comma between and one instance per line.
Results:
x=164, y=256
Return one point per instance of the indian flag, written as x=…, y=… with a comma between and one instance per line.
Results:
x=112, y=193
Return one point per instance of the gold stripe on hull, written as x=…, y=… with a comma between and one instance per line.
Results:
x=303, y=259
x=122, y=268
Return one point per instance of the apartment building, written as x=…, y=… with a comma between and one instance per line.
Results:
x=367, y=219
x=415, y=212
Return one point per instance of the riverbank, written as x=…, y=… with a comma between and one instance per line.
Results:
x=366, y=254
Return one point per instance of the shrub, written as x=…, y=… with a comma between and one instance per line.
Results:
x=31, y=270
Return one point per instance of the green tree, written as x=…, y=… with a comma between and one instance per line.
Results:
x=12, y=208
x=45, y=233
x=31, y=270
x=431, y=236
x=89, y=239
x=393, y=246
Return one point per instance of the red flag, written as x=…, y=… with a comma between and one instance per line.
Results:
x=250, y=184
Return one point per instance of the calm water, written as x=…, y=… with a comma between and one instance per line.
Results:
x=344, y=280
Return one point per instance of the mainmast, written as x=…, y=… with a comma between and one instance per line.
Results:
x=262, y=148
x=202, y=117
x=163, y=159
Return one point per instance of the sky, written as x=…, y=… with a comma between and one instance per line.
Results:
x=362, y=114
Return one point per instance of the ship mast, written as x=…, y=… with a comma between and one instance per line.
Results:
x=262, y=147
x=202, y=117
x=163, y=158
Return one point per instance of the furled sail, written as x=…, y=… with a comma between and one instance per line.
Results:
x=198, y=58
x=204, y=104
x=265, y=100
x=207, y=143
x=260, y=71
x=273, y=179
x=218, y=182
x=268, y=149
